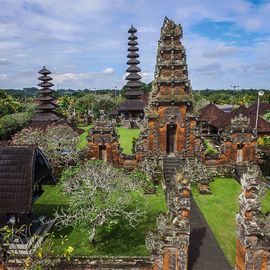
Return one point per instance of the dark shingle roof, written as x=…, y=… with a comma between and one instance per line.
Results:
x=131, y=105
x=264, y=108
x=21, y=167
x=222, y=122
x=210, y=113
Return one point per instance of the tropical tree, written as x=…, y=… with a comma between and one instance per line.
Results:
x=8, y=104
x=58, y=142
x=99, y=195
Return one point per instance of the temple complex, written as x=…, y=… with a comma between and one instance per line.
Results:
x=172, y=140
x=132, y=109
x=170, y=129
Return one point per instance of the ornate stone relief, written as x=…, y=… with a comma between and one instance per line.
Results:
x=172, y=115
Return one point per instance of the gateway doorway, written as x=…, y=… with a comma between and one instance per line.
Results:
x=102, y=152
x=171, y=136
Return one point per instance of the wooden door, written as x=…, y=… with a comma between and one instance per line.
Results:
x=239, y=155
x=171, y=136
x=102, y=152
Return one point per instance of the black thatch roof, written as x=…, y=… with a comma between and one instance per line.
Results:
x=131, y=105
x=22, y=168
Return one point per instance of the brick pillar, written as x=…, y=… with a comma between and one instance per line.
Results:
x=252, y=244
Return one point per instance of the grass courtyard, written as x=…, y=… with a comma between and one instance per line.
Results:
x=122, y=240
x=219, y=210
x=126, y=136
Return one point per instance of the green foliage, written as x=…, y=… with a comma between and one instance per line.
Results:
x=8, y=104
x=237, y=97
x=210, y=150
x=83, y=137
x=59, y=143
x=264, y=141
x=106, y=102
x=267, y=116
x=41, y=258
x=10, y=124
x=66, y=105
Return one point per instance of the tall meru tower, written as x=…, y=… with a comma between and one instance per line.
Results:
x=171, y=129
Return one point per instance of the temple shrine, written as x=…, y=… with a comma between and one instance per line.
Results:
x=170, y=125
x=46, y=113
x=103, y=141
x=131, y=111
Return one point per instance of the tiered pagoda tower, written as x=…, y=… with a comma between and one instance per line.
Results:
x=171, y=129
x=132, y=109
x=46, y=102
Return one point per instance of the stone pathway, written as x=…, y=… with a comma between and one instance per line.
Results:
x=204, y=251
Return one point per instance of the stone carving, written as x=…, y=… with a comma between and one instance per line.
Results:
x=253, y=229
x=173, y=228
x=171, y=94
x=172, y=115
x=240, y=121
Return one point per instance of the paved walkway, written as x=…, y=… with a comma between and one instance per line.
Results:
x=204, y=251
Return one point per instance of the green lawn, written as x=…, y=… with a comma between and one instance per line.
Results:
x=121, y=240
x=126, y=136
x=219, y=210
x=83, y=136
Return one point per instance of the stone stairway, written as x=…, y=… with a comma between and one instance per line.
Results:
x=170, y=166
x=239, y=171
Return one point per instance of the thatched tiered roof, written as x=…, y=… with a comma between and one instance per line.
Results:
x=46, y=101
x=134, y=91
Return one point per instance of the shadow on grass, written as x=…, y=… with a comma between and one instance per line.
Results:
x=123, y=238
x=47, y=210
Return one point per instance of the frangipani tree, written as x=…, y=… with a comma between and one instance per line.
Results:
x=58, y=142
x=99, y=195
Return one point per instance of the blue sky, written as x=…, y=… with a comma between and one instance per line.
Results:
x=84, y=42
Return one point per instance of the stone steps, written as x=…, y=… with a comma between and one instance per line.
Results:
x=239, y=171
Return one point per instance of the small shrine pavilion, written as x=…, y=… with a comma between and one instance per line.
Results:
x=103, y=141
x=132, y=109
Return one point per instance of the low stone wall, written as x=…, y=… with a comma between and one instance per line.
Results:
x=107, y=263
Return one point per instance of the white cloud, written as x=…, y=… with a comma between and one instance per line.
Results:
x=108, y=70
x=147, y=29
x=221, y=51
x=74, y=40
